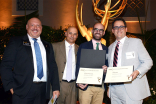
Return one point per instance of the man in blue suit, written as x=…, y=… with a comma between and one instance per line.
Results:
x=92, y=94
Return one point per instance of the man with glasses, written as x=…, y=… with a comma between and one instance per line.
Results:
x=126, y=52
x=91, y=94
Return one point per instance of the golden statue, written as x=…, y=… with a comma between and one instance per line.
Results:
x=106, y=14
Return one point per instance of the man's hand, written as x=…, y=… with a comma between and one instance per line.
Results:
x=11, y=90
x=82, y=86
x=56, y=93
x=104, y=67
x=134, y=74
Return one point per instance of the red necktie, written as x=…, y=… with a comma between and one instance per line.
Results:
x=115, y=61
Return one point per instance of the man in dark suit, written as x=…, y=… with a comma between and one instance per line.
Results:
x=34, y=67
x=68, y=90
x=92, y=94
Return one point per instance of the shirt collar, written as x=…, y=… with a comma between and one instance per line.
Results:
x=94, y=41
x=122, y=40
x=67, y=44
x=30, y=38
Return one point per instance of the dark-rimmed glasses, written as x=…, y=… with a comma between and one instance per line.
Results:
x=119, y=27
x=100, y=30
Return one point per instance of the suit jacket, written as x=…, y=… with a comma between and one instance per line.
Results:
x=87, y=45
x=18, y=55
x=139, y=88
x=60, y=57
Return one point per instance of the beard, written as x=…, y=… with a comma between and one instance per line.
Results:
x=97, y=37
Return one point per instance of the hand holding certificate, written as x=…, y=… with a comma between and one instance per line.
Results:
x=90, y=76
x=91, y=63
x=119, y=74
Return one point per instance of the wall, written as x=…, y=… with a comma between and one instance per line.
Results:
x=58, y=13
x=6, y=13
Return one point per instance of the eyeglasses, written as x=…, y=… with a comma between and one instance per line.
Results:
x=100, y=30
x=119, y=27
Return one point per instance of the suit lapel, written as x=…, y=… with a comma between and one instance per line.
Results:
x=63, y=49
x=27, y=45
x=90, y=45
x=124, y=49
x=76, y=49
x=47, y=48
x=109, y=54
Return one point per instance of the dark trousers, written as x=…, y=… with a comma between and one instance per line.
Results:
x=36, y=95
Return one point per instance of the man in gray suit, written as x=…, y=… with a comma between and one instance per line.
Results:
x=68, y=90
x=128, y=51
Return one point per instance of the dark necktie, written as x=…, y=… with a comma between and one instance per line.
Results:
x=38, y=59
x=69, y=64
x=97, y=46
x=115, y=61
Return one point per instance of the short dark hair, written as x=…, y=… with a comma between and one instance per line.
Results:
x=119, y=19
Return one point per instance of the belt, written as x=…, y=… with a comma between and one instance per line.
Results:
x=38, y=82
x=117, y=83
x=95, y=85
x=69, y=81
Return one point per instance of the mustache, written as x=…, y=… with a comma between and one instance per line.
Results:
x=97, y=34
x=34, y=30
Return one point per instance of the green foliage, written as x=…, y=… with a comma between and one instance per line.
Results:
x=151, y=75
x=149, y=37
x=52, y=35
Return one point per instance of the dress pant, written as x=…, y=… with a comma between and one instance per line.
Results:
x=118, y=95
x=68, y=93
x=93, y=95
x=36, y=95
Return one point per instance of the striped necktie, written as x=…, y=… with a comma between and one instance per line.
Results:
x=115, y=61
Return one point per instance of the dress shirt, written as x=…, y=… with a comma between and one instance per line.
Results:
x=94, y=44
x=73, y=61
x=119, y=52
x=44, y=60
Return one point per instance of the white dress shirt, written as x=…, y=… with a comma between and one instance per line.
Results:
x=73, y=61
x=44, y=60
x=119, y=52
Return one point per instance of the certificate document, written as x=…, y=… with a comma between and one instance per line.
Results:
x=52, y=101
x=119, y=74
x=90, y=76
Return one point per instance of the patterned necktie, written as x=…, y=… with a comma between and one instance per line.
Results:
x=38, y=59
x=69, y=64
x=115, y=61
x=97, y=46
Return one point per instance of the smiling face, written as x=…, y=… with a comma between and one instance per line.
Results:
x=98, y=31
x=119, y=32
x=34, y=27
x=71, y=35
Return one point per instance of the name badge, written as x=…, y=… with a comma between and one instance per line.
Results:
x=130, y=55
x=26, y=43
